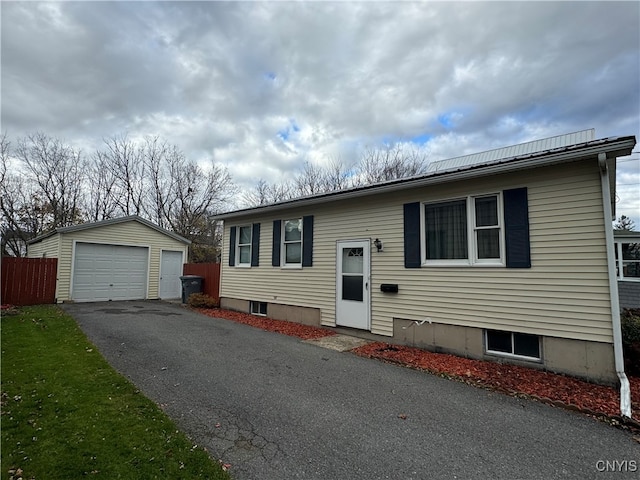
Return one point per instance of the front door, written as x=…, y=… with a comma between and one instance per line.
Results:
x=352, y=284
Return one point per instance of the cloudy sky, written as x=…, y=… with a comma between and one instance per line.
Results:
x=263, y=87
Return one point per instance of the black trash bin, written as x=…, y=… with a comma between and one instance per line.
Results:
x=190, y=284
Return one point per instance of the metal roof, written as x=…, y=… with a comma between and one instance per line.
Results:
x=612, y=146
x=111, y=221
x=485, y=158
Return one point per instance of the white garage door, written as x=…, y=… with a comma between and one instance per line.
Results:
x=109, y=272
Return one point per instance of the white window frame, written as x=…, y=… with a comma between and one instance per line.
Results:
x=284, y=243
x=620, y=261
x=238, y=245
x=512, y=355
x=255, y=307
x=472, y=243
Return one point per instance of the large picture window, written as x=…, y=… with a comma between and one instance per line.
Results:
x=447, y=226
x=446, y=230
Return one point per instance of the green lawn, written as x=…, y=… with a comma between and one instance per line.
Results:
x=67, y=414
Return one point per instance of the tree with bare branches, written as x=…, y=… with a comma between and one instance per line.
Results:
x=391, y=163
x=58, y=172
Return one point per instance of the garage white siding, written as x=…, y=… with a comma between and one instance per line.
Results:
x=118, y=244
x=109, y=272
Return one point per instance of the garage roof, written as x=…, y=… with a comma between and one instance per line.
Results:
x=111, y=221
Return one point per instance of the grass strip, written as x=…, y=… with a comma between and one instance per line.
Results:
x=67, y=414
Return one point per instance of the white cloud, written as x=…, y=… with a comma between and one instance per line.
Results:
x=224, y=80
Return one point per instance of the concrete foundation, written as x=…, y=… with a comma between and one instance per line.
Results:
x=593, y=361
x=290, y=313
x=235, y=304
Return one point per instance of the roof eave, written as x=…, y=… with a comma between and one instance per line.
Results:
x=612, y=147
x=111, y=221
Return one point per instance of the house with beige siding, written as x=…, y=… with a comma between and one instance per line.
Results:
x=126, y=258
x=505, y=255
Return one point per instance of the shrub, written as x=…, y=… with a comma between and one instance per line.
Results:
x=630, y=324
x=202, y=300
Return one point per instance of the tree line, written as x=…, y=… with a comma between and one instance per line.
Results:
x=46, y=183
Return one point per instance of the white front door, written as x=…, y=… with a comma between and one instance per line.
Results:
x=170, y=272
x=352, y=284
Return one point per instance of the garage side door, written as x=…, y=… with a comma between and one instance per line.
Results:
x=170, y=272
x=109, y=272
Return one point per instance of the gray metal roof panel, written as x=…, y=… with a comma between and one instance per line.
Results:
x=613, y=146
x=542, y=145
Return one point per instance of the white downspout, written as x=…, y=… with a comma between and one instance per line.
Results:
x=625, y=393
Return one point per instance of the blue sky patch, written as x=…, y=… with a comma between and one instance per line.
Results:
x=421, y=139
x=285, y=133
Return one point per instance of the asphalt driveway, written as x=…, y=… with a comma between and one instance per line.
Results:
x=275, y=407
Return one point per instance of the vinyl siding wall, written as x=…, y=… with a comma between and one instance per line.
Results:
x=47, y=248
x=127, y=233
x=564, y=294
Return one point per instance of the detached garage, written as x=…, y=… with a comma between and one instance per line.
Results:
x=126, y=258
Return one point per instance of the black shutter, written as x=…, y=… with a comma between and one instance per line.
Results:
x=255, y=244
x=307, y=241
x=232, y=246
x=412, y=257
x=516, y=225
x=275, y=252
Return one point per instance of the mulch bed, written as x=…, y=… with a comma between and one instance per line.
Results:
x=552, y=388
x=292, y=329
x=555, y=389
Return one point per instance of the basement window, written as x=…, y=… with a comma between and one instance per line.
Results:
x=259, y=308
x=513, y=344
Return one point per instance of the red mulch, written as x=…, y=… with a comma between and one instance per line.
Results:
x=548, y=387
x=556, y=389
x=292, y=329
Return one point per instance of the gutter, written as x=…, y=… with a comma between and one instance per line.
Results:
x=625, y=392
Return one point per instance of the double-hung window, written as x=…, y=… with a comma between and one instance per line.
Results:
x=628, y=261
x=292, y=242
x=463, y=231
x=244, y=246
x=487, y=229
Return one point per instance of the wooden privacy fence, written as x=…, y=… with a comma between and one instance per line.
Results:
x=211, y=274
x=29, y=281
